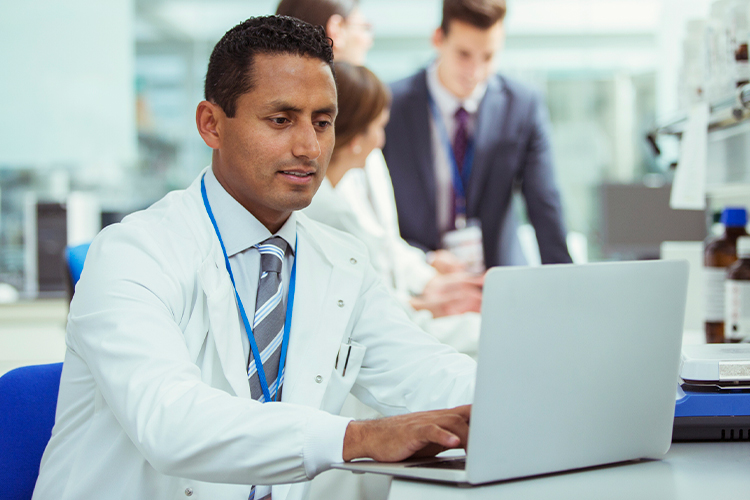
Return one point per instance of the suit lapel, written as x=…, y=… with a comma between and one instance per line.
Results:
x=489, y=129
x=418, y=115
x=223, y=317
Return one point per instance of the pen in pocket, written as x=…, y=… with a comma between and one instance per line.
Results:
x=346, y=361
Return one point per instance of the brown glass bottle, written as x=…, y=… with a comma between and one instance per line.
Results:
x=719, y=255
x=737, y=316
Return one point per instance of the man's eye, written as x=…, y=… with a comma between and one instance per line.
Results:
x=324, y=124
x=279, y=120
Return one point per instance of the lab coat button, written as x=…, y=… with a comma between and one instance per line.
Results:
x=318, y=379
x=188, y=492
x=341, y=303
x=353, y=260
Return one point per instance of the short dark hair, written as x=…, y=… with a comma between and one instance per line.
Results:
x=230, y=68
x=316, y=12
x=482, y=14
x=362, y=98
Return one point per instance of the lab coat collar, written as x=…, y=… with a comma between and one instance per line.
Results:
x=239, y=228
x=326, y=188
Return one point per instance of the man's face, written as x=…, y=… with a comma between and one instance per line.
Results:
x=467, y=54
x=274, y=152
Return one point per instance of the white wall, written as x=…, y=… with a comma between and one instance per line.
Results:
x=66, y=81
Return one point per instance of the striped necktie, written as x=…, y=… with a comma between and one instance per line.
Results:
x=268, y=328
x=268, y=322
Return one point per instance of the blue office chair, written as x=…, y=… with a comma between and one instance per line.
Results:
x=74, y=259
x=28, y=399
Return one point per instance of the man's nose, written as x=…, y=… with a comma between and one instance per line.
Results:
x=477, y=70
x=306, y=143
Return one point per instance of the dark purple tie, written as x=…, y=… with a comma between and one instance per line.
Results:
x=460, y=143
x=461, y=137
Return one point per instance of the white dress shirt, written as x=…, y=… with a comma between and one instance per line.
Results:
x=448, y=104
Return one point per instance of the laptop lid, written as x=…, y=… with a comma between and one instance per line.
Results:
x=577, y=367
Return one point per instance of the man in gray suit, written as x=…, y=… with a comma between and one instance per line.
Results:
x=461, y=140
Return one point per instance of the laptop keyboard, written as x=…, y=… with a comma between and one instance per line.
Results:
x=455, y=464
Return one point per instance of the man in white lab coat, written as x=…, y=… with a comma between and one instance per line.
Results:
x=160, y=395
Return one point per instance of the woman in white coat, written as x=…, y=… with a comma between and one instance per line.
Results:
x=443, y=304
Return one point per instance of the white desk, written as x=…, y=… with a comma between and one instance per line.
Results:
x=32, y=333
x=700, y=471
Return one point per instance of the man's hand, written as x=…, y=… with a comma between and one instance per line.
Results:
x=422, y=434
x=445, y=262
x=449, y=294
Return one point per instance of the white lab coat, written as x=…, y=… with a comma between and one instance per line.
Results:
x=363, y=205
x=154, y=400
x=369, y=198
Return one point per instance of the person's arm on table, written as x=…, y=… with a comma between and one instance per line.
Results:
x=445, y=262
x=418, y=434
x=449, y=294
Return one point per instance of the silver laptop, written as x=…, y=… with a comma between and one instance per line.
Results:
x=577, y=367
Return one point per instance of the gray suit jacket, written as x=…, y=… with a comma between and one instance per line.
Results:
x=512, y=151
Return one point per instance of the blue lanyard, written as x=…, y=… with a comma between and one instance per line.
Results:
x=459, y=181
x=248, y=330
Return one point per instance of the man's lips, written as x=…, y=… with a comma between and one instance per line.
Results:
x=298, y=173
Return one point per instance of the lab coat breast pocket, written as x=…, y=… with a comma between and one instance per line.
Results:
x=344, y=374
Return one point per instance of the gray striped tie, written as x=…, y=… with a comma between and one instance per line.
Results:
x=268, y=323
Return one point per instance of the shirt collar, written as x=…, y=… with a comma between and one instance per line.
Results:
x=446, y=101
x=239, y=229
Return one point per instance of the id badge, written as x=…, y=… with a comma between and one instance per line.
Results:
x=466, y=244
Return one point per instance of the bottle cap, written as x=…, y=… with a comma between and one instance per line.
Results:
x=734, y=217
x=743, y=247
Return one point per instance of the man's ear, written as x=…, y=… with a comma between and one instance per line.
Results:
x=335, y=31
x=438, y=37
x=207, y=118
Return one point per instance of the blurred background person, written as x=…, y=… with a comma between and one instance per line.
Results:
x=461, y=140
x=344, y=23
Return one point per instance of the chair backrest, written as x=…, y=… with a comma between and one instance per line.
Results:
x=28, y=400
x=74, y=258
